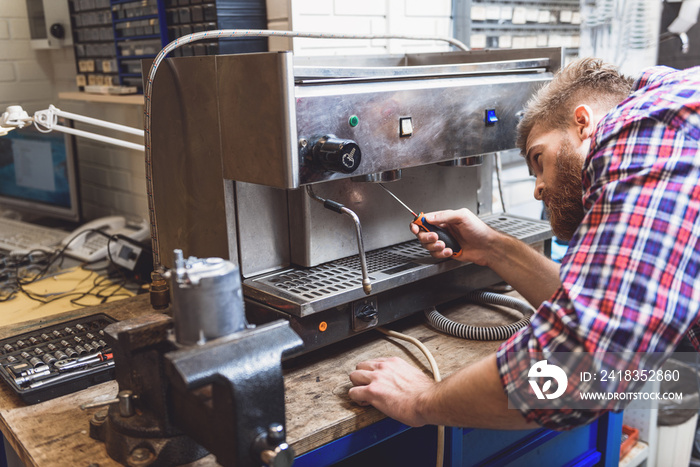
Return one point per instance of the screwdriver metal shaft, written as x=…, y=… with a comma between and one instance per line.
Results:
x=424, y=225
x=397, y=199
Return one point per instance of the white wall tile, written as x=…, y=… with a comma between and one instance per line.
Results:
x=19, y=29
x=65, y=71
x=334, y=25
x=16, y=50
x=119, y=179
x=118, y=158
x=131, y=205
x=29, y=70
x=4, y=29
x=441, y=8
x=94, y=175
x=403, y=17
x=31, y=96
x=7, y=72
x=13, y=8
x=101, y=196
x=138, y=185
x=378, y=26
x=141, y=206
x=92, y=210
x=355, y=8
x=315, y=7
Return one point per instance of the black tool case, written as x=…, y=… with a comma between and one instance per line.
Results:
x=27, y=361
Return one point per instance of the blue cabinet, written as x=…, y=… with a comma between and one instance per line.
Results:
x=139, y=32
x=390, y=443
x=112, y=37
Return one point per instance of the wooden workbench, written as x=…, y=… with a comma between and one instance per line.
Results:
x=55, y=432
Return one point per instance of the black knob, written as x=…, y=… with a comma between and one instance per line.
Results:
x=336, y=155
x=367, y=313
x=57, y=30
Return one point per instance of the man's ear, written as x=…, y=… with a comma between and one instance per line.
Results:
x=583, y=120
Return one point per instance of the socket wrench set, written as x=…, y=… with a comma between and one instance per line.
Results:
x=57, y=360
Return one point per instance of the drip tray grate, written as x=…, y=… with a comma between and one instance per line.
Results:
x=346, y=273
x=308, y=290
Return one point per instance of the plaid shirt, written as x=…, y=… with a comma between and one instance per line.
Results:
x=630, y=275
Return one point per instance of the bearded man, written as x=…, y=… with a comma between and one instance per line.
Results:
x=617, y=165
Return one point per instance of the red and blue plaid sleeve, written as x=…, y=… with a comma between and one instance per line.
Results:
x=629, y=277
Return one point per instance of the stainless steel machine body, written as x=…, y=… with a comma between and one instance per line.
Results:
x=237, y=139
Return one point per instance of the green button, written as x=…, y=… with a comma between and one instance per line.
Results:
x=353, y=121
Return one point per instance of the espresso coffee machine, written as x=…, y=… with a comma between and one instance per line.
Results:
x=272, y=161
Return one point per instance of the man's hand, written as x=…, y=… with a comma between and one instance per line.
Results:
x=473, y=396
x=471, y=232
x=393, y=386
x=530, y=273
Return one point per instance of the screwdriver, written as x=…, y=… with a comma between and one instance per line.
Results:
x=425, y=226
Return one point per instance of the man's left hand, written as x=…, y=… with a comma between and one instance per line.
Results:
x=393, y=386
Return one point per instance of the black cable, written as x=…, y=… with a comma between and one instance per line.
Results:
x=21, y=260
x=118, y=286
x=96, y=284
x=60, y=254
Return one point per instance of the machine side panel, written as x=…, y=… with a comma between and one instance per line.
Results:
x=188, y=186
x=447, y=119
x=263, y=228
x=258, y=127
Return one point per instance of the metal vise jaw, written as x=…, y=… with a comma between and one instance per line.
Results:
x=232, y=389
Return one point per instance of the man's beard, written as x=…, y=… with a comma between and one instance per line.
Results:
x=564, y=201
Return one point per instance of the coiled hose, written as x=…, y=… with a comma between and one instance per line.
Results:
x=482, y=333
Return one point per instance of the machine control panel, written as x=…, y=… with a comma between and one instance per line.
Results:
x=331, y=153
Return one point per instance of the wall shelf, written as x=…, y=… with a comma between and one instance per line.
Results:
x=131, y=99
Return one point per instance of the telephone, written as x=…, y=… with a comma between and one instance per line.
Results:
x=85, y=244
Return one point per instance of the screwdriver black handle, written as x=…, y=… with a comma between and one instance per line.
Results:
x=442, y=234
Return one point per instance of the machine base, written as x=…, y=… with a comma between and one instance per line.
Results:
x=338, y=323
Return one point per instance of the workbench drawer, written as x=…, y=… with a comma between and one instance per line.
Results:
x=390, y=443
x=526, y=448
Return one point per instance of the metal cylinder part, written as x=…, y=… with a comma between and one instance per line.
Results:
x=379, y=177
x=464, y=162
x=36, y=361
x=206, y=299
x=159, y=296
x=126, y=403
x=49, y=359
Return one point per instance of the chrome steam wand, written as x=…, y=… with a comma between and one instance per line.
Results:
x=339, y=208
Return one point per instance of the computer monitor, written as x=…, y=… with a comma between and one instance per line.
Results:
x=38, y=174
